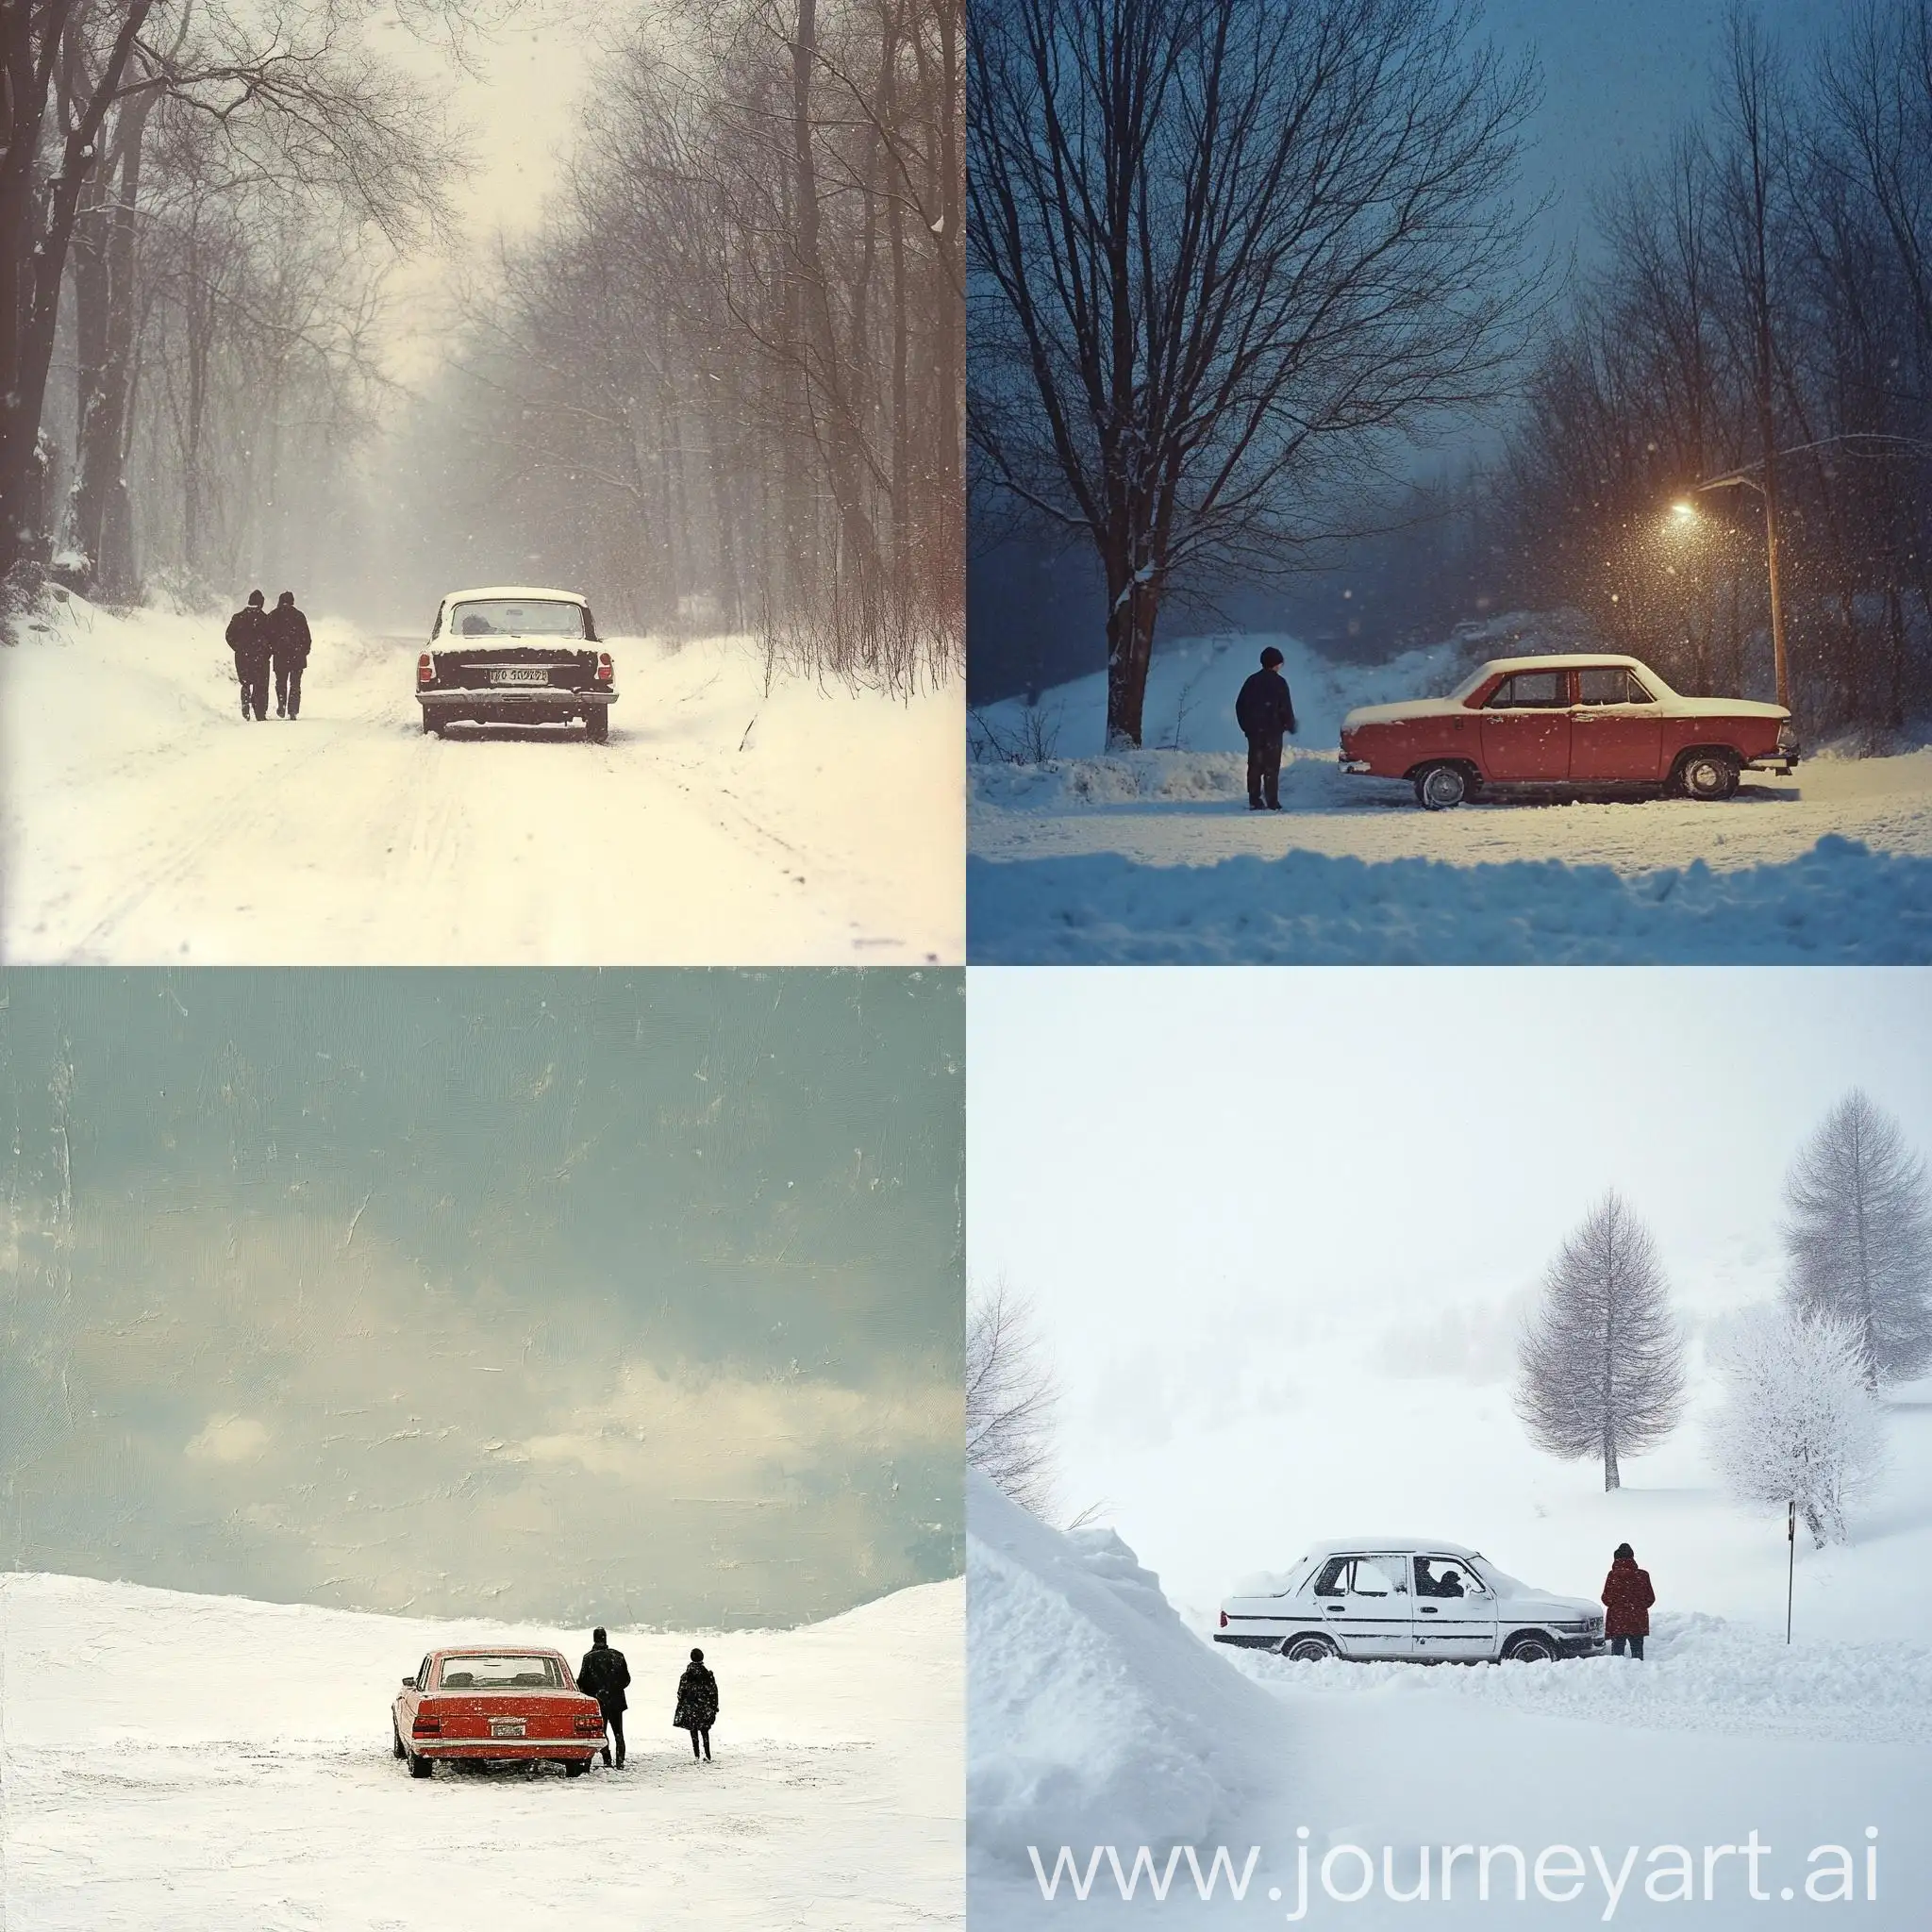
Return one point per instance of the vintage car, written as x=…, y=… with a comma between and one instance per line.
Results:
x=1579, y=723
x=1391, y=1597
x=496, y=1705
x=511, y=656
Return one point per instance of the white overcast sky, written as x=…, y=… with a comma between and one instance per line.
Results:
x=1159, y=1156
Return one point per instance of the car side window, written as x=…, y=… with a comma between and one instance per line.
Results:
x=422, y=1674
x=1531, y=690
x=1334, y=1578
x=1441, y=1576
x=1378, y=1576
x=1610, y=684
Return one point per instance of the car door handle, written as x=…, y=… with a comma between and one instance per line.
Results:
x=1332, y=1609
x=1428, y=1609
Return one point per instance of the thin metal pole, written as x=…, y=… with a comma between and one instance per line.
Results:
x=1790, y=1559
x=1778, y=599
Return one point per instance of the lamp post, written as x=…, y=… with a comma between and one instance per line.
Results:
x=1790, y=1559
x=1767, y=490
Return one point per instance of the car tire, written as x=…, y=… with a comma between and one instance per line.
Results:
x=1308, y=1649
x=1708, y=775
x=397, y=1741
x=576, y=1767
x=597, y=726
x=1440, y=788
x=419, y=1765
x=1531, y=1647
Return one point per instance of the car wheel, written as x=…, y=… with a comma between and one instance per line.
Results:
x=576, y=1767
x=597, y=726
x=1529, y=1649
x=1439, y=787
x=419, y=1765
x=397, y=1741
x=1307, y=1650
x=1710, y=774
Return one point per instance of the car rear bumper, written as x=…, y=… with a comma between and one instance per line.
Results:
x=1359, y=768
x=1782, y=762
x=511, y=699
x=506, y=1748
x=1249, y=1639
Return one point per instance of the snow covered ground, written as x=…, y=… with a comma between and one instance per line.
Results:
x=1099, y=1715
x=1154, y=856
x=177, y=1763
x=145, y=823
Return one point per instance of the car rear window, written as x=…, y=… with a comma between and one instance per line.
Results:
x=517, y=617
x=501, y=1674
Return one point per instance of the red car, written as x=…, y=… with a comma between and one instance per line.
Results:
x=496, y=1705
x=1581, y=723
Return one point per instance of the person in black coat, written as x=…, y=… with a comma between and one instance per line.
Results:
x=1264, y=710
x=697, y=1704
x=287, y=634
x=603, y=1675
x=248, y=637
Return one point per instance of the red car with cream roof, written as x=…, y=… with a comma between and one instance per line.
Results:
x=1576, y=722
x=496, y=1705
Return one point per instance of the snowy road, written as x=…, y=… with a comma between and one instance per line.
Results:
x=176, y=1763
x=147, y=824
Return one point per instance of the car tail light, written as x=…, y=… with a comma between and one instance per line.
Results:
x=1223, y=1620
x=589, y=1727
x=426, y=1726
x=603, y=667
x=426, y=671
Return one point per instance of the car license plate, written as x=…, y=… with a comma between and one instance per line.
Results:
x=519, y=674
x=506, y=1727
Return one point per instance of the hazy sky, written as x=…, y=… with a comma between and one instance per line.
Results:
x=1195, y=1175
x=619, y=1295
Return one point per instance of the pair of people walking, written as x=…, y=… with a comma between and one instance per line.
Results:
x=604, y=1676
x=273, y=639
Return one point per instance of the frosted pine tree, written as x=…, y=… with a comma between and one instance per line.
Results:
x=1798, y=1423
x=1860, y=1238
x=1600, y=1365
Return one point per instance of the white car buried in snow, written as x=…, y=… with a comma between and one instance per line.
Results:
x=1382, y=1597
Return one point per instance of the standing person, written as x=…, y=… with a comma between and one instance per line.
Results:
x=248, y=637
x=288, y=631
x=1628, y=1597
x=602, y=1676
x=697, y=1704
x=1264, y=710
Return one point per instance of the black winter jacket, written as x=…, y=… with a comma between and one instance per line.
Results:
x=698, y=1699
x=248, y=633
x=287, y=634
x=1264, y=708
x=602, y=1676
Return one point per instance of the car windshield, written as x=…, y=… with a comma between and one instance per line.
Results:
x=519, y=617
x=501, y=1674
x=1467, y=689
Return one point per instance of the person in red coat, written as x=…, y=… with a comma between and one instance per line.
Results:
x=1628, y=1598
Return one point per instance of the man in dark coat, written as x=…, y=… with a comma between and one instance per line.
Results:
x=1264, y=710
x=602, y=1676
x=287, y=634
x=697, y=1704
x=248, y=637
x=1628, y=1598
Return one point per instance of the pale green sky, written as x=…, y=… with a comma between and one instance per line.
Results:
x=620, y=1296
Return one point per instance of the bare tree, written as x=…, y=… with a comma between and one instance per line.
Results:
x=1013, y=1398
x=1860, y=1238
x=1798, y=1423
x=1600, y=1368
x=1220, y=248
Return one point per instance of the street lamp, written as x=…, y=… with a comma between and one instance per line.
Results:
x=1742, y=479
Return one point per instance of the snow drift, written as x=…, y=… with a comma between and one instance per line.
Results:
x=1095, y=1715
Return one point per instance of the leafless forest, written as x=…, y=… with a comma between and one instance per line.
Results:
x=719, y=386
x=1764, y=302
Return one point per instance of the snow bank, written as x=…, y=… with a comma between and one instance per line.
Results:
x=1839, y=904
x=1095, y=1715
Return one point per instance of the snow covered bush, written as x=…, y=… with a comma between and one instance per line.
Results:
x=1798, y=1423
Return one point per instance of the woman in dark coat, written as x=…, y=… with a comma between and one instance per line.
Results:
x=1628, y=1598
x=697, y=1704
